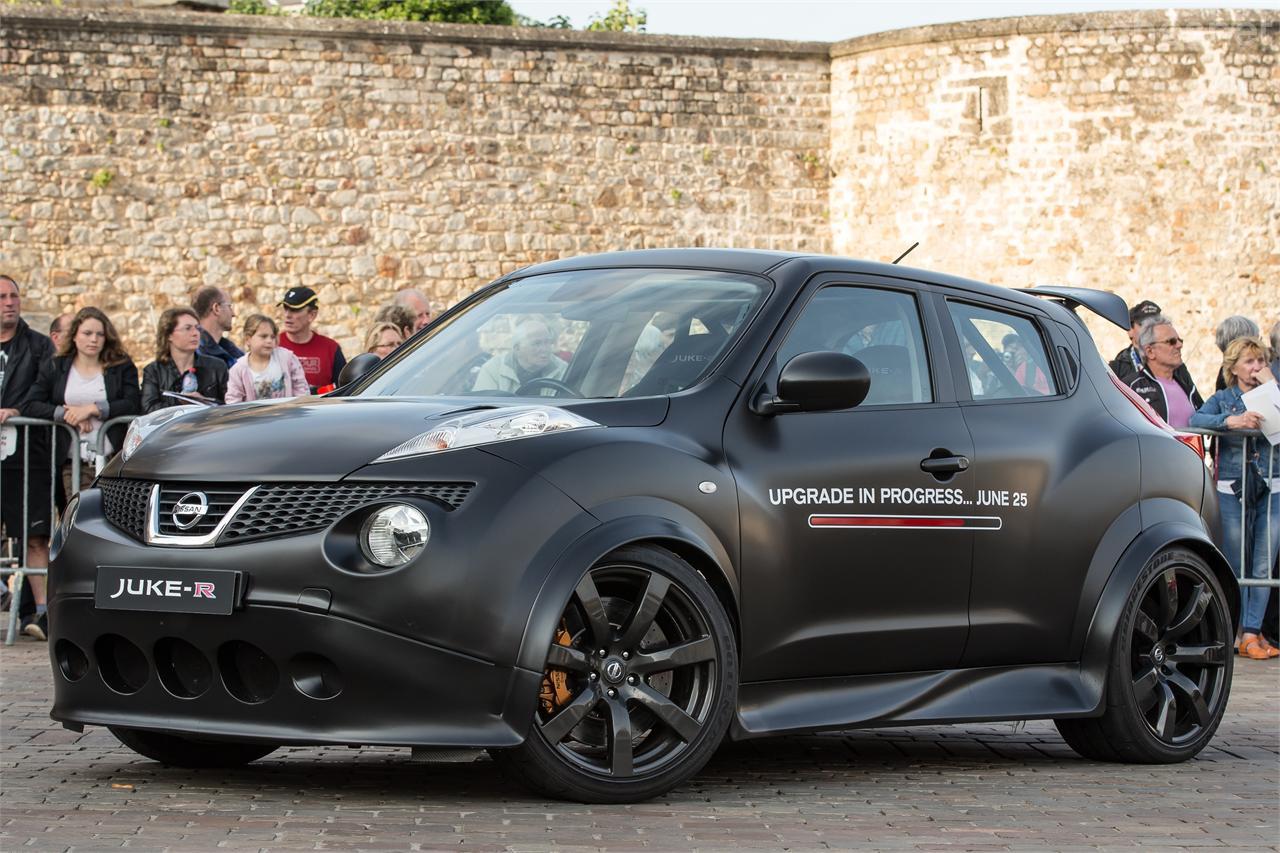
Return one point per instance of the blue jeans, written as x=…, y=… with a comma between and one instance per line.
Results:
x=1253, y=599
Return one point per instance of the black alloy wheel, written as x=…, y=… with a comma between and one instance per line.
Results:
x=1178, y=655
x=1170, y=669
x=639, y=685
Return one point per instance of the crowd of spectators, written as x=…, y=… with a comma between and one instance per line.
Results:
x=82, y=376
x=1246, y=465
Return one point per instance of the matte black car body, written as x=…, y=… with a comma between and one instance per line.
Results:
x=835, y=628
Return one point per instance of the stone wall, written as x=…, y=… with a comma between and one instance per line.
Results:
x=1136, y=152
x=143, y=154
x=146, y=154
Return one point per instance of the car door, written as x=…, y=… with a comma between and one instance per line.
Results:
x=1049, y=462
x=854, y=559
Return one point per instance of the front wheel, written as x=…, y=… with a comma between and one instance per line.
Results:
x=1170, y=668
x=177, y=751
x=639, y=687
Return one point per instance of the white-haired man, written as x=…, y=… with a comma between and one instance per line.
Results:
x=530, y=358
x=1164, y=381
x=416, y=301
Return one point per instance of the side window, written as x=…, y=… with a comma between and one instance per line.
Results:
x=1004, y=354
x=881, y=328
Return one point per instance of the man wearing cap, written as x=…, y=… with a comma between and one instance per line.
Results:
x=321, y=357
x=1128, y=362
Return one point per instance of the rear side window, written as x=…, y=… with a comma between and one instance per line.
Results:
x=1004, y=354
x=881, y=328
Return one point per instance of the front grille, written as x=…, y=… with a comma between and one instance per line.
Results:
x=298, y=507
x=219, y=502
x=273, y=510
x=124, y=503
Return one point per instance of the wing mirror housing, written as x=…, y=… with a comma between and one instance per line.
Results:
x=357, y=367
x=816, y=382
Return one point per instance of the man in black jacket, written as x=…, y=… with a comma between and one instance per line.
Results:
x=1164, y=381
x=22, y=351
x=1128, y=362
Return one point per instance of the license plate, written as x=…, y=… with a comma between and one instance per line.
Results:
x=166, y=590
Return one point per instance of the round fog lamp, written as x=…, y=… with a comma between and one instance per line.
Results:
x=394, y=535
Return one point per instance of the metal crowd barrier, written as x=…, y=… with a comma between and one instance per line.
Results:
x=1272, y=495
x=15, y=565
x=19, y=570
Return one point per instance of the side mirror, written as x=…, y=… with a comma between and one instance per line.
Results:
x=357, y=367
x=817, y=382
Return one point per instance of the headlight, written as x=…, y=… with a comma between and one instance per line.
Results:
x=394, y=535
x=63, y=529
x=142, y=426
x=488, y=426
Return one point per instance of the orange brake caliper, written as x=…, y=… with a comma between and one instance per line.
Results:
x=555, y=691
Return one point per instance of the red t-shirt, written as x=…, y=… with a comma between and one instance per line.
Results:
x=318, y=357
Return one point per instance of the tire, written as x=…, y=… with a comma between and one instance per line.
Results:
x=1170, y=670
x=176, y=751
x=646, y=715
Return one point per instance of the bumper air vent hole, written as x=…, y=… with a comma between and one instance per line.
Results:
x=247, y=672
x=183, y=669
x=72, y=661
x=315, y=676
x=122, y=664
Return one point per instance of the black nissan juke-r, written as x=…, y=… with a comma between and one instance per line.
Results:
x=609, y=511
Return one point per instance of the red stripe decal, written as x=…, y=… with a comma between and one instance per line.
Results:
x=916, y=522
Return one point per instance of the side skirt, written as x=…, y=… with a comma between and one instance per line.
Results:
x=915, y=698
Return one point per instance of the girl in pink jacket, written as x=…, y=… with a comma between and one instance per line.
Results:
x=265, y=371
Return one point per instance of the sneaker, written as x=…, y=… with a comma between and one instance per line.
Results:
x=36, y=627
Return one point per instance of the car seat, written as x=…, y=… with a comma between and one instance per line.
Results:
x=890, y=369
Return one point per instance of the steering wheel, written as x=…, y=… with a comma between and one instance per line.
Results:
x=527, y=388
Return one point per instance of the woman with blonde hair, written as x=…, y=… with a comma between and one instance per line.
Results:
x=178, y=367
x=383, y=338
x=266, y=370
x=1248, y=480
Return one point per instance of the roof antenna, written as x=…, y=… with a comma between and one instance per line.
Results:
x=907, y=252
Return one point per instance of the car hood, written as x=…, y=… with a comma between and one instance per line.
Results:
x=313, y=438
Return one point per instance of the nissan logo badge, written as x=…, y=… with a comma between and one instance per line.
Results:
x=189, y=509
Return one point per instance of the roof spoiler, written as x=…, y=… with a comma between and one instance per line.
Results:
x=1106, y=305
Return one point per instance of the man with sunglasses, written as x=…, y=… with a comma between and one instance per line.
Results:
x=1164, y=381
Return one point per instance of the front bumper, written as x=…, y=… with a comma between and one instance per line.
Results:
x=315, y=652
x=278, y=675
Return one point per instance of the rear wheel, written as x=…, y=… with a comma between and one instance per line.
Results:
x=1170, y=669
x=177, y=751
x=639, y=687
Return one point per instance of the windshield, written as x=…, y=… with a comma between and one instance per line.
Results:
x=585, y=334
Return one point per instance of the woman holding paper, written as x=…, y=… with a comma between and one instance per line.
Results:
x=1248, y=486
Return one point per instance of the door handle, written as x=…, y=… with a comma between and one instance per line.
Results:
x=945, y=464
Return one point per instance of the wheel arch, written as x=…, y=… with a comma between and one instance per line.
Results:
x=703, y=552
x=1106, y=616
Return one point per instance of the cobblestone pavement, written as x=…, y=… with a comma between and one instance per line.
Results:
x=975, y=787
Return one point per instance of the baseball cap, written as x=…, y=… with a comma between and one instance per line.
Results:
x=1144, y=309
x=299, y=297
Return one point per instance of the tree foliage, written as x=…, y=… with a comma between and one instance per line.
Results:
x=620, y=18
x=555, y=22
x=253, y=7
x=436, y=11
